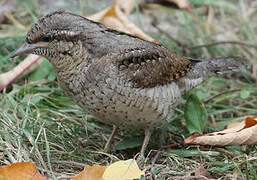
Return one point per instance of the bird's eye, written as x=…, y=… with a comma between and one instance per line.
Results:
x=46, y=38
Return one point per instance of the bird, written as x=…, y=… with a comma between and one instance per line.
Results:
x=119, y=78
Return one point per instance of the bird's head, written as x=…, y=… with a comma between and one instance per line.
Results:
x=55, y=36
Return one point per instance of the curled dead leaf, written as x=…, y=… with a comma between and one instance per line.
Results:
x=244, y=133
x=115, y=17
x=182, y=4
x=20, y=171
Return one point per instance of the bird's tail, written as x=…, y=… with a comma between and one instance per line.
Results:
x=204, y=68
x=210, y=67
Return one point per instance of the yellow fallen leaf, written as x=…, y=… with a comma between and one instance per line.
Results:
x=123, y=170
x=20, y=171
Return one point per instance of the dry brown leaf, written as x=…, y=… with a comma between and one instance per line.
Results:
x=244, y=133
x=20, y=171
x=91, y=173
x=113, y=17
x=183, y=4
x=125, y=6
x=27, y=65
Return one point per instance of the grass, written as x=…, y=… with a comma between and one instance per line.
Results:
x=39, y=123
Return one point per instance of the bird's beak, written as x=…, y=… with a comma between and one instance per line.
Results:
x=24, y=49
x=28, y=48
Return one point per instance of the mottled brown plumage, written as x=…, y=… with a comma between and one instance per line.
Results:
x=121, y=79
x=150, y=68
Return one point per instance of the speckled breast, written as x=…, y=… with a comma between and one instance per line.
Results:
x=112, y=103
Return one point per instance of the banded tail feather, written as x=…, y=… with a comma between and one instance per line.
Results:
x=206, y=68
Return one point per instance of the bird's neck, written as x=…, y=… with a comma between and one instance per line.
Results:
x=73, y=60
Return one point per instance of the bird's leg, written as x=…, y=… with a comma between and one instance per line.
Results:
x=108, y=143
x=141, y=158
x=146, y=141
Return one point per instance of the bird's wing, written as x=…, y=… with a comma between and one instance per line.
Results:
x=149, y=68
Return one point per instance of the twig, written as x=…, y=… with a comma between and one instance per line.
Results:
x=189, y=48
x=222, y=42
x=156, y=153
x=222, y=150
x=222, y=93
